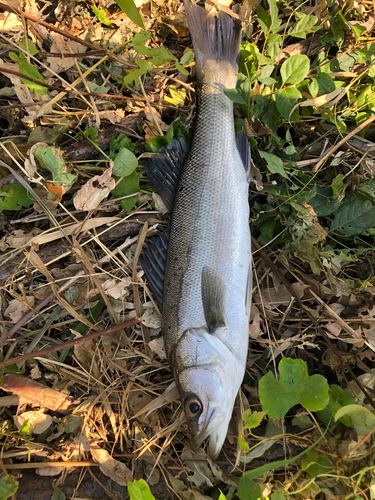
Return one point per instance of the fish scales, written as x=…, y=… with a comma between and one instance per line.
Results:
x=207, y=283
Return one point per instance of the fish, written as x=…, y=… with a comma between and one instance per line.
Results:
x=199, y=268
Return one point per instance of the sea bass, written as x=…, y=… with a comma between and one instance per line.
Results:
x=200, y=267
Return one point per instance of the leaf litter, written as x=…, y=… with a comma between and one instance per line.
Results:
x=110, y=402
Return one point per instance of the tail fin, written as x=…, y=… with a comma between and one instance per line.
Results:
x=214, y=37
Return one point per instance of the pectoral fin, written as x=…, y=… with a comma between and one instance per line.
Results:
x=214, y=298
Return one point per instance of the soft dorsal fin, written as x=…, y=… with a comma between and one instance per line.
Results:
x=153, y=262
x=164, y=169
x=214, y=298
x=243, y=147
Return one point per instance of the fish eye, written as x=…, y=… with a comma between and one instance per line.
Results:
x=193, y=407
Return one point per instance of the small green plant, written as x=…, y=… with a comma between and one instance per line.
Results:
x=27, y=69
x=8, y=487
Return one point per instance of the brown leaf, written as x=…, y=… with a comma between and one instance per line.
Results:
x=38, y=421
x=117, y=471
x=94, y=191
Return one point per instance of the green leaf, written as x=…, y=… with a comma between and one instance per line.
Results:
x=252, y=492
x=29, y=45
x=337, y=185
x=242, y=443
x=8, y=487
x=265, y=75
x=143, y=67
x=304, y=26
x=187, y=58
x=358, y=30
x=252, y=418
x=363, y=419
x=322, y=85
x=140, y=490
x=125, y=163
x=14, y=197
x=156, y=143
x=277, y=496
x=128, y=185
x=101, y=16
x=128, y=6
x=51, y=159
x=234, y=96
x=29, y=70
x=285, y=102
x=222, y=496
x=141, y=37
x=294, y=386
x=245, y=482
x=323, y=203
x=338, y=398
x=315, y=464
x=72, y=294
x=13, y=56
x=295, y=69
x=303, y=421
x=353, y=217
x=72, y=422
x=58, y=494
x=274, y=163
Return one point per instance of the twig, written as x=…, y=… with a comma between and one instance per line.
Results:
x=310, y=315
x=43, y=465
x=69, y=343
x=343, y=141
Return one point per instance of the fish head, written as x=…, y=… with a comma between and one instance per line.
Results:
x=208, y=377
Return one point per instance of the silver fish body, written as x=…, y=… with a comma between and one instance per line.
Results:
x=207, y=285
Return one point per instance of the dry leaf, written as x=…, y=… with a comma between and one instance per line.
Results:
x=112, y=115
x=157, y=347
x=255, y=330
x=197, y=463
x=151, y=319
x=38, y=421
x=117, y=288
x=117, y=471
x=94, y=191
x=159, y=203
x=64, y=46
x=19, y=238
x=16, y=309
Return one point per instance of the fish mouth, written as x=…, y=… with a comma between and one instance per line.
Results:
x=216, y=432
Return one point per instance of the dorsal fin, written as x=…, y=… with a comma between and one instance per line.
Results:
x=243, y=147
x=153, y=262
x=164, y=169
x=214, y=298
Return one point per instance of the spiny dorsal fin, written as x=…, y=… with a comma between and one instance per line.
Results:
x=153, y=262
x=243, y=147
x=164, y=169
x=214, y=298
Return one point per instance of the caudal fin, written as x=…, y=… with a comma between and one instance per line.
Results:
x=214, y=37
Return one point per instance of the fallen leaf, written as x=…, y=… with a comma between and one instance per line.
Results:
x=49, y=471
x=117, y=288
x=197, y=464
x=16, y=309
x=94, y=191
x=117, y=471
x=157, y=347
x=38, y=421
x=151, y=319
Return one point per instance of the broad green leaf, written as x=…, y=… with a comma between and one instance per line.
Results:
x=338, y=398
x=293, y=387
x=322, y=85
x=125, y=163
x=245, y=481
x=286, y=100
x=140, y=490
x=156, y=143
x=29, y=70
x=337, y=185
x=8, y=487
x=363, y=419
x=274, y=163
x=13, y=56
x=252, y=492
x=274, y=45
x=141, y=37
x=72, y=294
x=295, y=69
x=14, y=197
x=128, y=185
x=161, y=55
x=277, y=496
x=128, y=6
x=353, y=217
x=305, y=25
x=264, y=19
x=323, y=203
x=51, y=159
x=358, y=30
x=143, y=67
x=265, y=75
x=234, y=96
